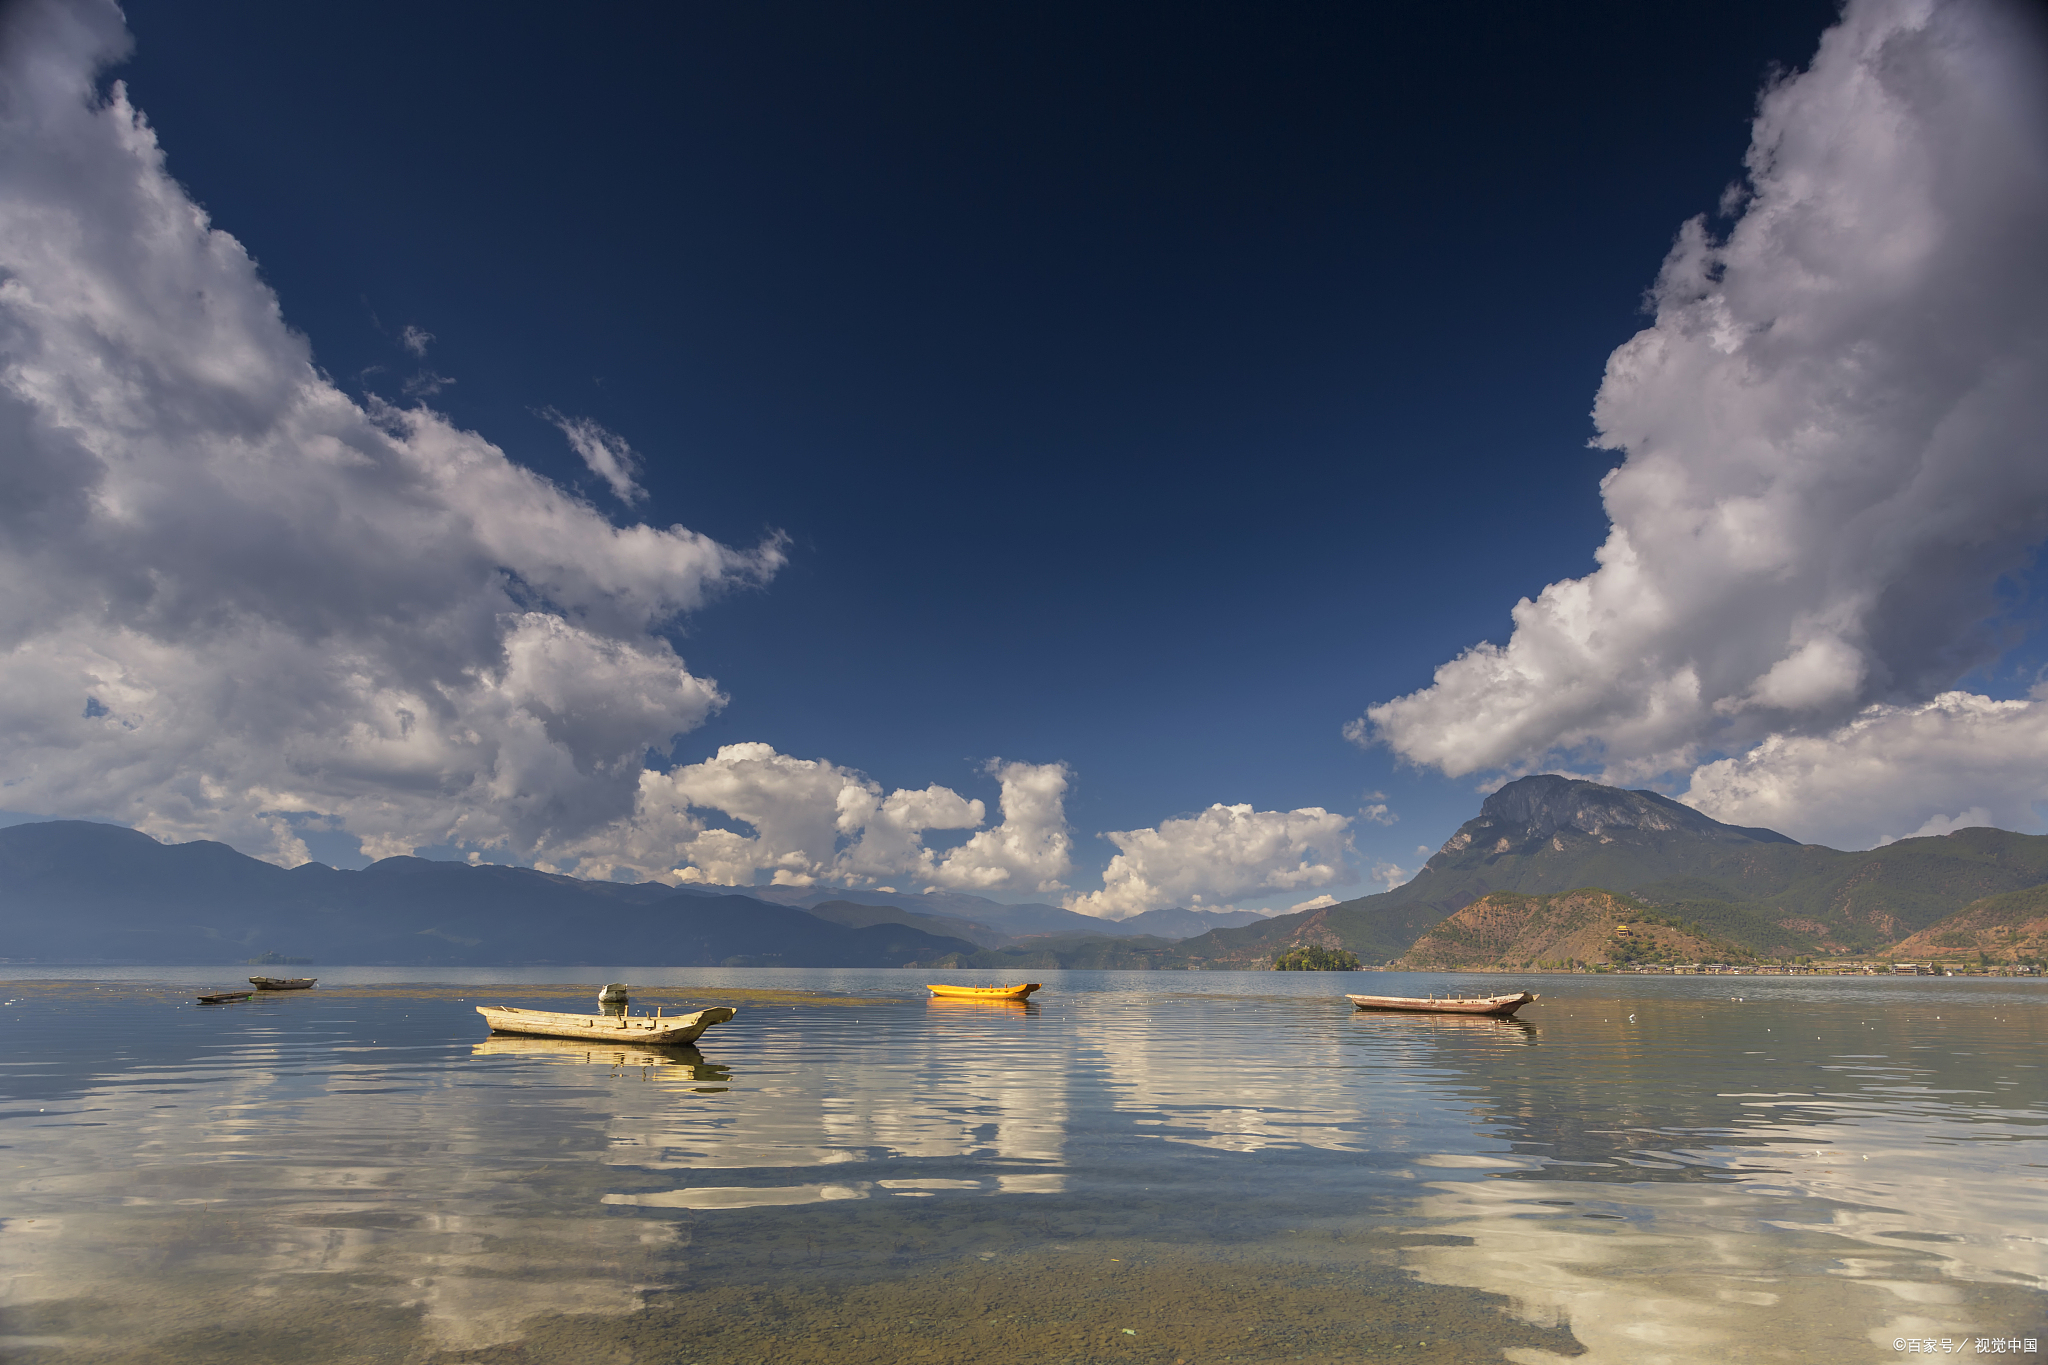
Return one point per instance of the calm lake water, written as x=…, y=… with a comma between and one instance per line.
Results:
x=1166, y=1167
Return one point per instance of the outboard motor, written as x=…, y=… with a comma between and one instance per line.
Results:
x=613, y=1000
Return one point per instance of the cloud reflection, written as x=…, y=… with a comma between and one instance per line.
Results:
x=1680, y=1187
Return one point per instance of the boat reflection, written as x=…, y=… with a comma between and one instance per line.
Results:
x=1671, y=1176
x=618, y=1057
x=1468, y=1026
x=942, y=1004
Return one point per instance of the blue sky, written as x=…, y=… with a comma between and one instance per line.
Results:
x=1149, y=392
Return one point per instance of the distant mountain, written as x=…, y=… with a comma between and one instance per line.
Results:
x=1007, y=921
x=72, y=891
x=853, y=914
x=1753, y=887
x=1085, y=952
x=1587, y=927
x=954, y=904
x=1822, y=900
x=1178, y=924
x=1997, y=930
x=1020, y=920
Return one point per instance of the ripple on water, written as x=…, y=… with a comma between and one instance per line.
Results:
x=1174, y=1166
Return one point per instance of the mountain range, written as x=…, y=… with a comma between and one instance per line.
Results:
x=997, y=922
x=71, y=891
x=2009, y=928
x=76, y=891
x=1754, y=888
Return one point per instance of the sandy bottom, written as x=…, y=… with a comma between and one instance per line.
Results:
x=876, y=1284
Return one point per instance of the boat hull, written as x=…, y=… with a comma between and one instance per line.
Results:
x=1492, y=1006
x=638, y=1030
x=983, y=992
x=283, y=983
x=225, y=997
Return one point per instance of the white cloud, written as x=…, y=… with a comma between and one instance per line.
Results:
x=892, y=829
x=1378, y=813
x=1894, y=771
x=1031, y=848
x=416, y=340
x=1836, y=434
x=604, y=451
x=425, y=384
x=1316, y=903
x=813, y=822
x=1389, y=875
x=1976, y=817
x=797, y=807
x=1218, y=855
x=283, y=606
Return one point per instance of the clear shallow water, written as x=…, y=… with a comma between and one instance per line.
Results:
x=1160, y=1167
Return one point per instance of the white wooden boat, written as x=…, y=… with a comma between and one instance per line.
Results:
x=283, y=983
x=1496, y=1006
x=644, y=1030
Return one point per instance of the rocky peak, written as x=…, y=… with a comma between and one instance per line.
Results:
x=1532, y=809
x=1548, y=803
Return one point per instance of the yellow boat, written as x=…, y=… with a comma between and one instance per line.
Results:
x=983, y=992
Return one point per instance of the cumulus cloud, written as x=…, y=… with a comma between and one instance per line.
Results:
x=1031, y=848
x=812, y=822
x=240, y=603
x=1893, y=771
x=891, y=829
x=605, y=452
x=1836, y=440
x=1223, y=853
x=1321, y=902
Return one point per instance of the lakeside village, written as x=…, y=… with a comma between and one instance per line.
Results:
x=1315, y=959
x=1776, y=969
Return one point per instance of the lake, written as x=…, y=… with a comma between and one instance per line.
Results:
x=1183, y=1168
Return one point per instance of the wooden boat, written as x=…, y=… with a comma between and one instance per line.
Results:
x=283, y=983
x=983, y=992
x=224, y=997
x=1496, y=1006
x=639, y=1029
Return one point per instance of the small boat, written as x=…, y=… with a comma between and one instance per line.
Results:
x=642, y=1030
x=283, y=983
x=983, y=992
x=224, y=997
x=1496, y=1006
